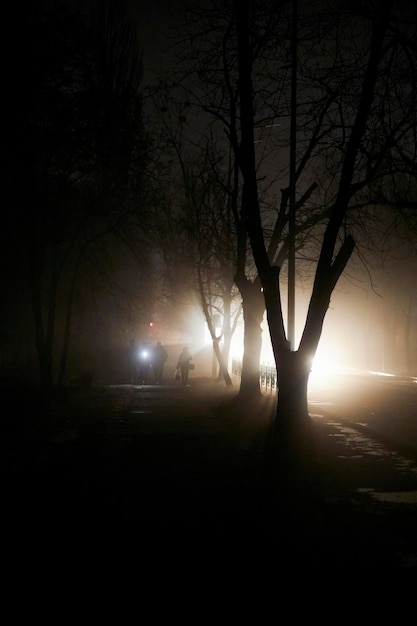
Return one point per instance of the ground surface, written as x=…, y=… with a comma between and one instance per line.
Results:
x=169, y=475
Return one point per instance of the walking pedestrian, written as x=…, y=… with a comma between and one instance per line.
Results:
x=184, y=365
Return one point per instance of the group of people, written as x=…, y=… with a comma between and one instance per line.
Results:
x=146, y=363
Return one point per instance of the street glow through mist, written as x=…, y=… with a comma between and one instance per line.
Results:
x=346, y=346
x=326, y=365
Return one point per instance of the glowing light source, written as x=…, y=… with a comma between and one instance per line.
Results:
x=325, y=366
x=381, y=374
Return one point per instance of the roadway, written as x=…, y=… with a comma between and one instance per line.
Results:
x=382, y=403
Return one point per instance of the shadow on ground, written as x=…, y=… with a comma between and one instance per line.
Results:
x=168, y=475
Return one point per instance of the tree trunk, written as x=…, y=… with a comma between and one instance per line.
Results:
x=227, y=331
x=253, y=306
x=292, y=405
x=223, y=371
x=291, y=443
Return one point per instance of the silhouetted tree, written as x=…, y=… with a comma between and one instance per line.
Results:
x=211, y=84
x=365, y=91
x=78, y=169
x=201, y=219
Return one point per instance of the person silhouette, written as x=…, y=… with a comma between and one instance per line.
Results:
x=184, y=365
x=159, y=358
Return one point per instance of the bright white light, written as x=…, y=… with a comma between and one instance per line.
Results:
x=381, y=374
x=326, y=365
x=322, y=365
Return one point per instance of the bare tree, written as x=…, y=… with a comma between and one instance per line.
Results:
x=211, y=88
x=202, y=221
x=363, y=96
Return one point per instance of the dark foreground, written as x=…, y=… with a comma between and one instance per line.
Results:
x=173, y=480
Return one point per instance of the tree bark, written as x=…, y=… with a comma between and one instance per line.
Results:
x=253, y=305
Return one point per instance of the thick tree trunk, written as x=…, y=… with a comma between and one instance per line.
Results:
x=291, y=444
x=253, y=305
x=292, y=420
x=293, y=375
x=249, y=381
